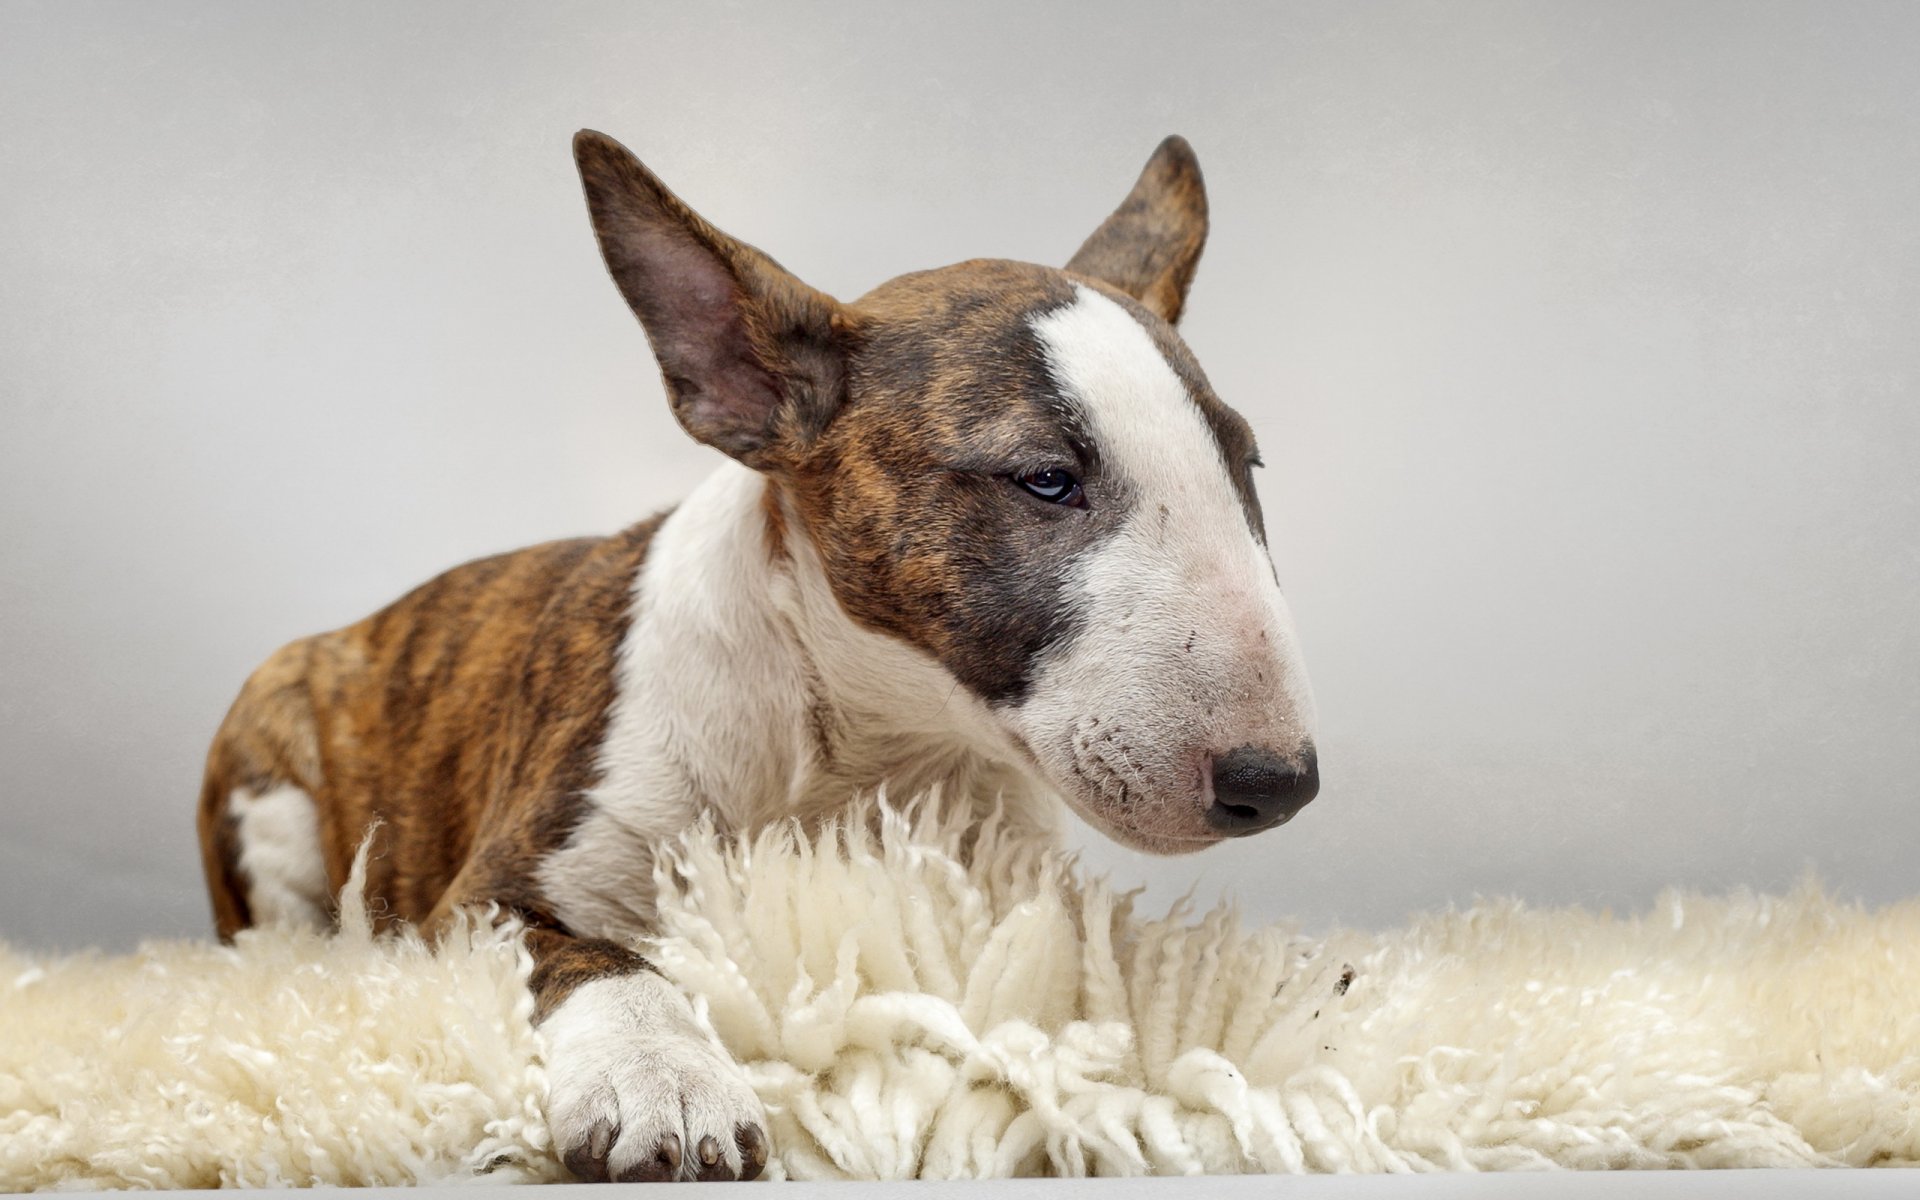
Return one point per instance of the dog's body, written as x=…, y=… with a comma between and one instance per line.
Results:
x=988, y=529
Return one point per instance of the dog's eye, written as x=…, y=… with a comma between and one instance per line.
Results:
x=1053, y=485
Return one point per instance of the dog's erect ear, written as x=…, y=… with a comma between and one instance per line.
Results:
x=1150, y=245
x=751, y=356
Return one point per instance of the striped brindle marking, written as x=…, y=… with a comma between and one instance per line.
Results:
x=987, y=527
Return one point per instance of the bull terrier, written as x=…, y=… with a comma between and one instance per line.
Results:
x=985, y=530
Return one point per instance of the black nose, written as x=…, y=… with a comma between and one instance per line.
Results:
x=1255, y=789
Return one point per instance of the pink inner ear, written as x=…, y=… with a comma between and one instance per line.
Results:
x=694, y=313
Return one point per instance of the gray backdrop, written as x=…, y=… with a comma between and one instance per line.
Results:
x=1581, y=341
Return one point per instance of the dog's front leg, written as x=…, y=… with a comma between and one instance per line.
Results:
x=636, y=1091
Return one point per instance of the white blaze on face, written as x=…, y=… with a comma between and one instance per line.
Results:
x=1184, y=648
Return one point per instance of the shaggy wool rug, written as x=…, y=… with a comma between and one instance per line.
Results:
x=913, y=1003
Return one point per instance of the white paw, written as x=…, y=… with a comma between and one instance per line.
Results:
x=636, y=1092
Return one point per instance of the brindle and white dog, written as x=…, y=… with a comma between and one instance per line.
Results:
x=987, y=527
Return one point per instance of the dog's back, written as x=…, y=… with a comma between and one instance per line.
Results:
x=449, y=709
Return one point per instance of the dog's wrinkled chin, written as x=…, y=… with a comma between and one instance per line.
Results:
x=1152, y=822
x=1118, y=822
x=1144, y=841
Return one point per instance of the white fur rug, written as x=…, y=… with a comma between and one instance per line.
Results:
x=904, y=1015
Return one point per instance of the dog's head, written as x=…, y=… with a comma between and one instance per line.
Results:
x=1021, y=472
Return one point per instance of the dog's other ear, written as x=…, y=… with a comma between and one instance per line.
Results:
x=751, y=356
x=1150, y=245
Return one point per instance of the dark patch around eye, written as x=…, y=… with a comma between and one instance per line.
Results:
x=907, y=497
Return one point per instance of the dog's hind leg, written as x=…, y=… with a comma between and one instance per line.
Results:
x=280, y=860
x=259, y=827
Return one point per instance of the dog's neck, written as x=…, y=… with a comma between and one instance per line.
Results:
x=747, y=692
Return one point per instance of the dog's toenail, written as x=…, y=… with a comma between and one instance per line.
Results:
x=753, y=1150
x=588, y=1160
